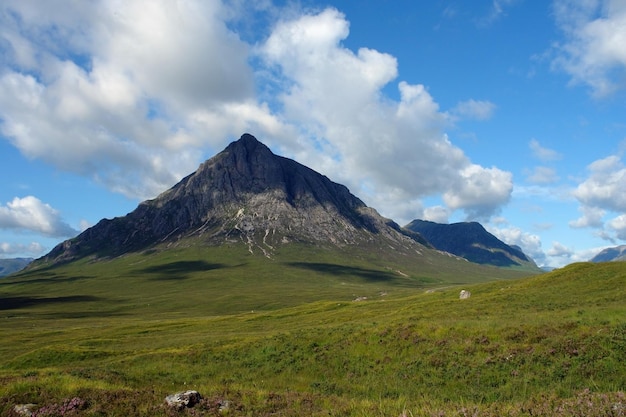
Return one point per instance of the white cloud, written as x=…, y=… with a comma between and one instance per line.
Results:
x=605, y=186
x=558, y=250
x=593, y=52
x=133, y=94
x=592, y=217
x=541, y=153
x=30, y=213
x=129, y=93
x=480, y=191
x=618, y=226
x=530, y=243
x=601, y=195
x=13, y=249
x=335, y=96
x=437, y=214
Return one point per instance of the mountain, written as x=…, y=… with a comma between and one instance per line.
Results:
x=11, y=265
x=243, y=194
x=471, y=241
x=617, y=253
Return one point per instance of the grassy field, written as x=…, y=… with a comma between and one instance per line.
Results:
x=259, y=337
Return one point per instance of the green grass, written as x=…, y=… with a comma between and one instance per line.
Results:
x=286, y=338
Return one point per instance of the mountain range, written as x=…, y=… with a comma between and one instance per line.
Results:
x=247, y=195
x=244, y=194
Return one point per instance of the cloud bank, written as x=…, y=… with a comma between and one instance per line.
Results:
x=134, y=95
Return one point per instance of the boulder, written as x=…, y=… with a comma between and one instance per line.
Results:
x=465, y=295
x=184, y=399
x=24, y=409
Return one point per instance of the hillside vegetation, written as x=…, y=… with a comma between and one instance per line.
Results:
x=261, y=339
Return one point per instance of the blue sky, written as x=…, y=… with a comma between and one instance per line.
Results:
x=507, y=112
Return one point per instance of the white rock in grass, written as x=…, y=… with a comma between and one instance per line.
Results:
x=464, y=295
x=181, y=400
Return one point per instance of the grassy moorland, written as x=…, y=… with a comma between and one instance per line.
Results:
x=258, y=338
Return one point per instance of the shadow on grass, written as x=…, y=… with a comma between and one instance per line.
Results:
x=180, y=269
x=334, y=269
x=52, y=278
x=14, y=303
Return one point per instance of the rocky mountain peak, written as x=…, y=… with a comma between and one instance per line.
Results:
x=247, y=194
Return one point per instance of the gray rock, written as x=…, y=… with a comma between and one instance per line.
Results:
x=186, y=399
x=24, y=409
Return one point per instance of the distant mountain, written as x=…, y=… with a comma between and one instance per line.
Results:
x=244, y=194
x=471, y=241
x=11, y=265
x=617, y=253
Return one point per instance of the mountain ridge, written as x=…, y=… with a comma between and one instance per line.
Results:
x=470, y=240
x=244, y=193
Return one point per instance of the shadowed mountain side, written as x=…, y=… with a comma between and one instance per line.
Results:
x=471, y=241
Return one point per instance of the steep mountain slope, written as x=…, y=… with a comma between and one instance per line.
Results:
x=471, y=241
x=244, y=194
x=617, y=253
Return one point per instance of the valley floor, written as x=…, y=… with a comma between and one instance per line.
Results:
x=551, y=345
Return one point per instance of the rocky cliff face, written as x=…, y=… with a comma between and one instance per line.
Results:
x=471, y=241
x=245, y=193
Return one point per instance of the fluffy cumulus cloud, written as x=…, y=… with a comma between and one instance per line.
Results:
x=133, y=94
x=601, y=194
x=530, y=243
x=593, y=52
x=30, y=213
x=400, y=147
x=125, y=92
x=605, y=185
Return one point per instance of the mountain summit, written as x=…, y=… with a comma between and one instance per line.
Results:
x=471, y=241
x=245, y=194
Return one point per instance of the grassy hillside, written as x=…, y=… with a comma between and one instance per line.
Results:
x=193, y=279
x=297, y=344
